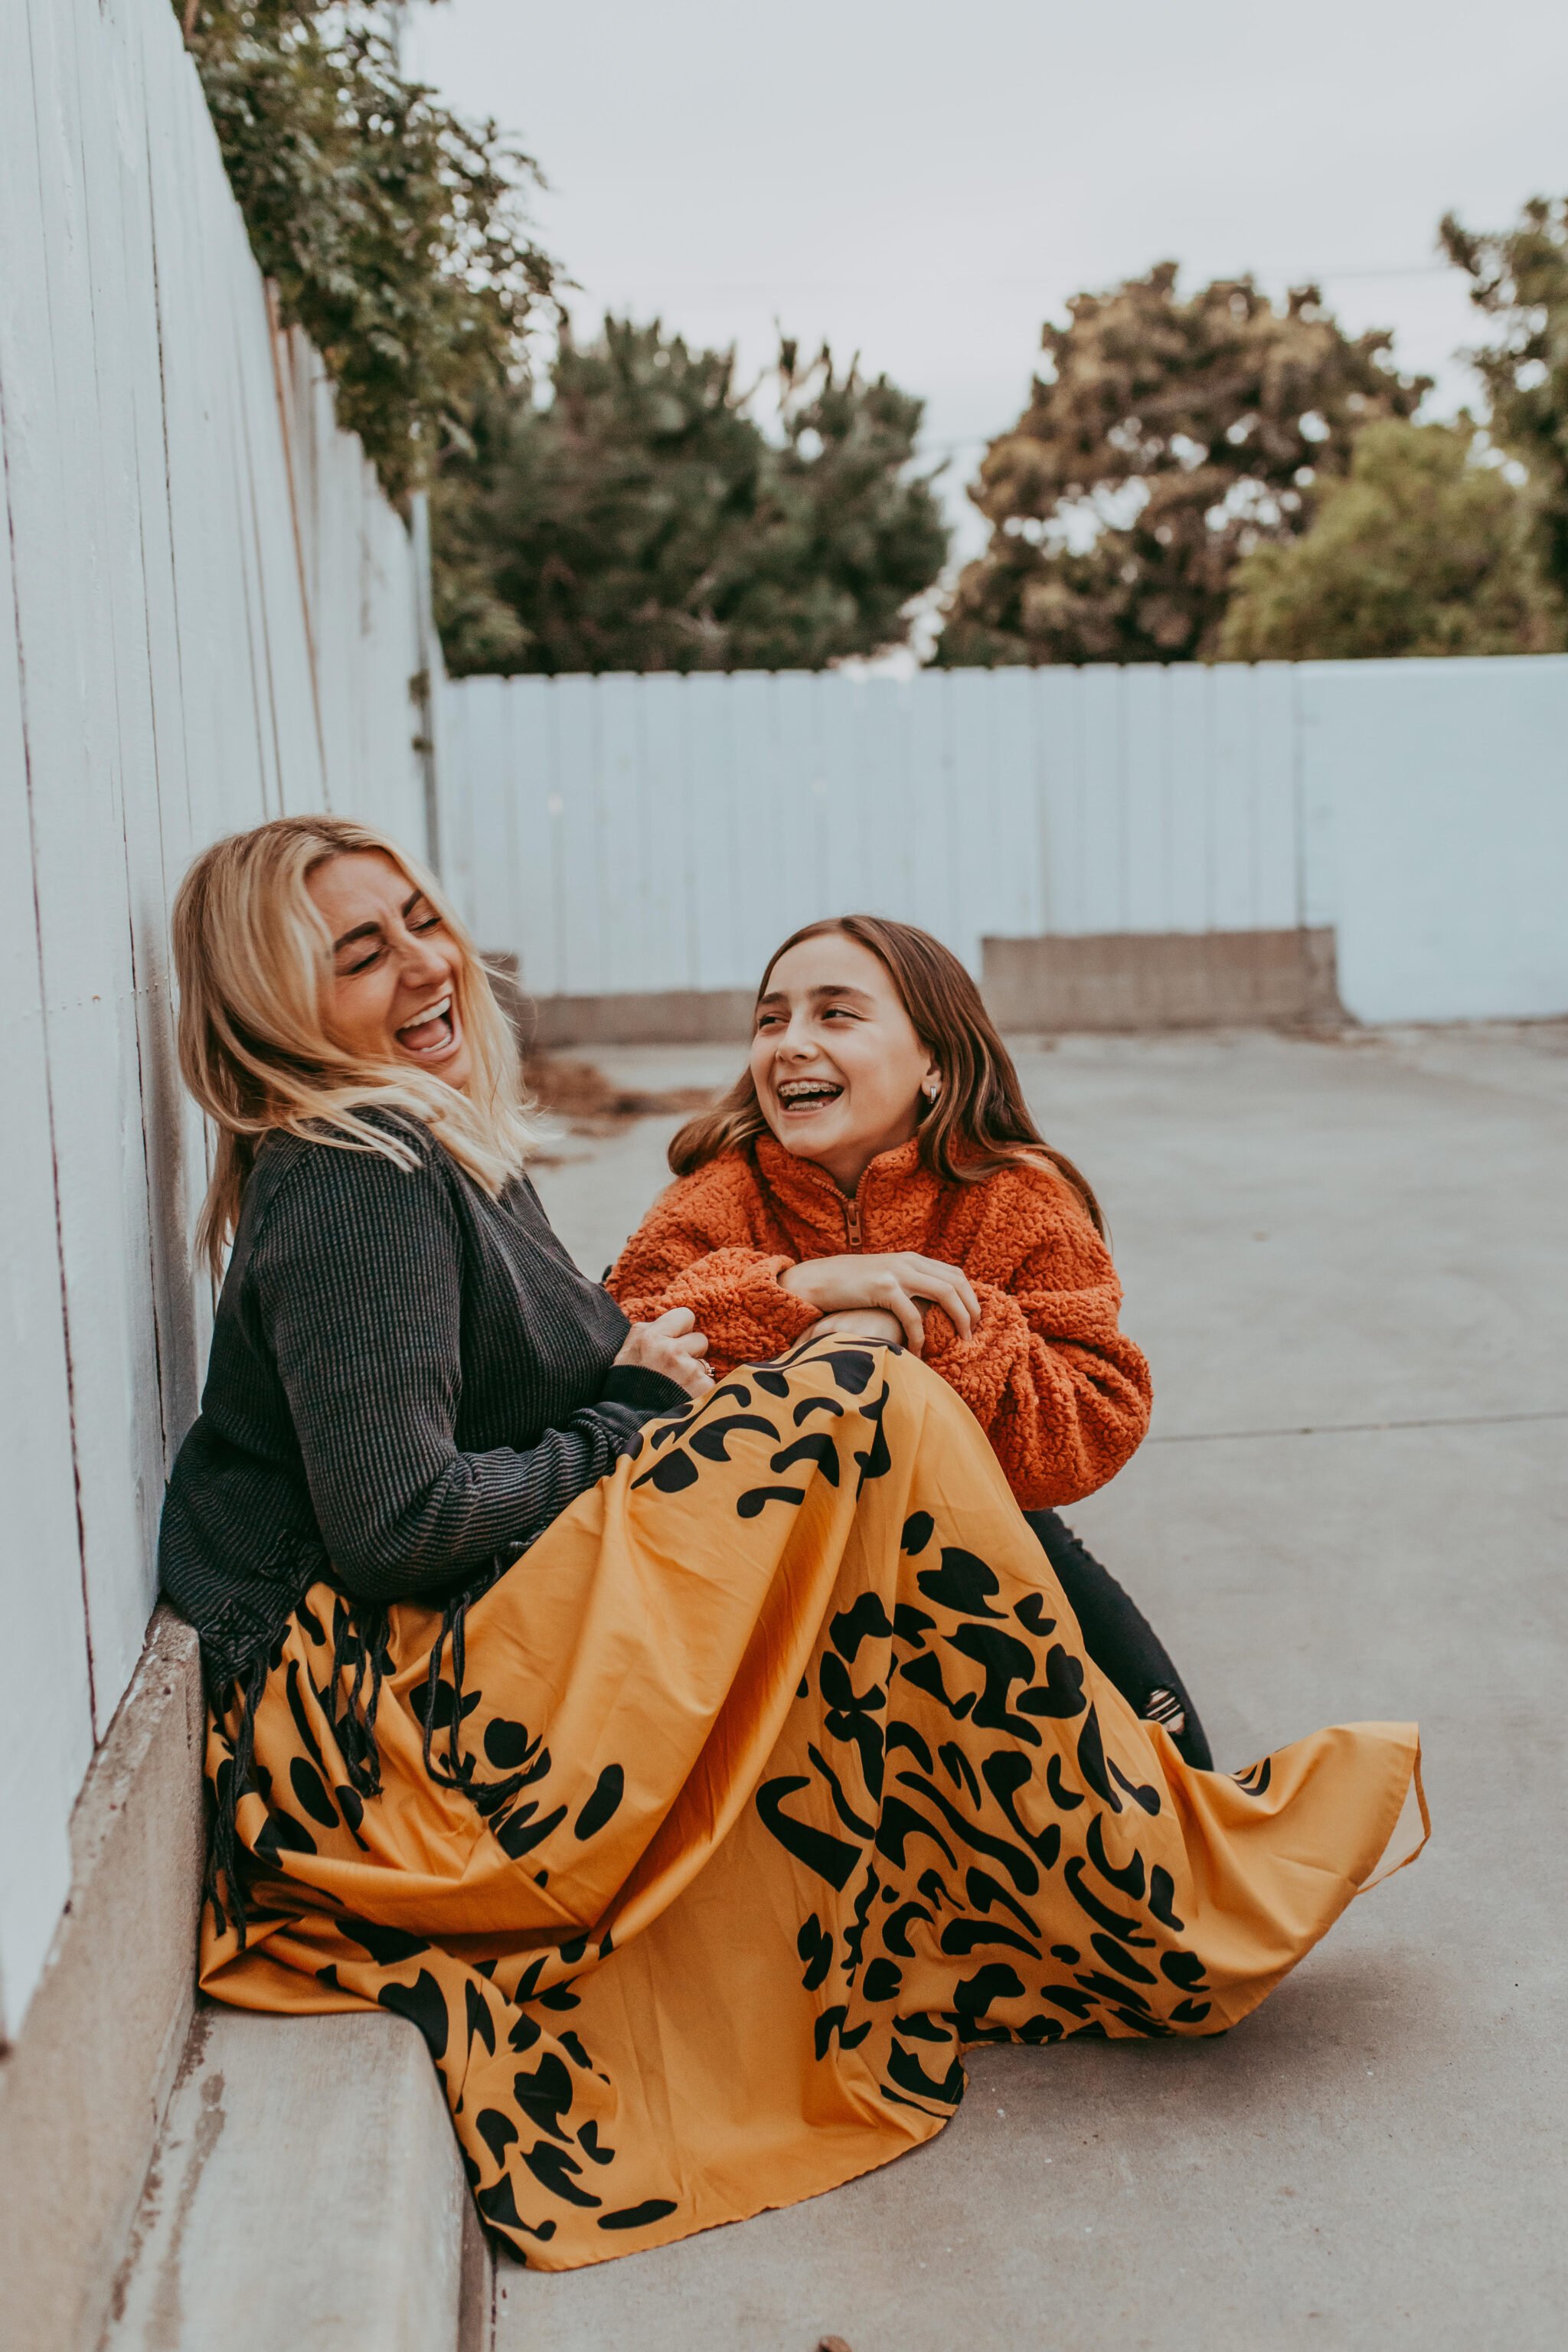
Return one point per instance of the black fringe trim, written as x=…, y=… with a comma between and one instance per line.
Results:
x=455, y=1770
x=363, y=1643
x=361, y=1659
x=233, y=1780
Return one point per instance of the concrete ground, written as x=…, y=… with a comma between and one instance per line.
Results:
x=1347, y=1262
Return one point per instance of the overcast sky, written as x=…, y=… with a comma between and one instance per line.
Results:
x=924, y=182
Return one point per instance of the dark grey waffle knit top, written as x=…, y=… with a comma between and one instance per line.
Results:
x=409, y=1380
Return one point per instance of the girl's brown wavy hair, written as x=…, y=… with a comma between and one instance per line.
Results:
x=979, y=1122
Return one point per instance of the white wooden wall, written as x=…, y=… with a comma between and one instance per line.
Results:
x=208, y=615
x=626, y=834
x=654, y=833
x=1436, y=833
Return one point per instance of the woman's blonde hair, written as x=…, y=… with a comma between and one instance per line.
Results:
x=979, y=1122
x=253, y=956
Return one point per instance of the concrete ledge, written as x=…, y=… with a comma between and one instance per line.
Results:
x=307, y=2196
x=1163, y=980
x=678, y=1016
x=83, y=2091
x=675, y=1016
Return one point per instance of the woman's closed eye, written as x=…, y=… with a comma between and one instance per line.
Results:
x=365, y=956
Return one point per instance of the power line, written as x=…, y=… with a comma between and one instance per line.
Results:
x=769, y=288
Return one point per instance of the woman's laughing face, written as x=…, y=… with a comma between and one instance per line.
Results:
x=394, y=992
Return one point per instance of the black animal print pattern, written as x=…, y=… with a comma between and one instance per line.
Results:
x=701, y=1846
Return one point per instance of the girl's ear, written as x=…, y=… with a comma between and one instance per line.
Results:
x=930, y=1085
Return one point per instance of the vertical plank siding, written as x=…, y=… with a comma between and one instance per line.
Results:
x=1434, y=807
x=208, y=614
x=628, y=835
x=641, y=834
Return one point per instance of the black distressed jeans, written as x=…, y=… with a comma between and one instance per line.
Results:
x=1116, y=1634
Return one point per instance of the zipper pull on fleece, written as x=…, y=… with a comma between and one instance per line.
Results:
x=852, y=1224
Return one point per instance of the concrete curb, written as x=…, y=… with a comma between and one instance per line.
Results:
x=83, y=2091
x=307, y=2191
x=179, y=2176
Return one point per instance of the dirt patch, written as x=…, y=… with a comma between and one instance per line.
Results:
x=581, y=1094
x=577, y=1093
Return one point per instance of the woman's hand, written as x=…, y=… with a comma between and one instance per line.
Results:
x=860, y=1323
x=671, y=1345
x=892, y=1282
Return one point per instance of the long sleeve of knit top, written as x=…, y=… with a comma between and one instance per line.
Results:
x=1060, y=1390
x=408, y=1379
x=403, y=1507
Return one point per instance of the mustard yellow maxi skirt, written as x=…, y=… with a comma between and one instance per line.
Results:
x=770, y=1779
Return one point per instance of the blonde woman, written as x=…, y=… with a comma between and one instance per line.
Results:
x=700, y=1767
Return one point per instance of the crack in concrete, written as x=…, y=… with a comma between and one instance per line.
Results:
x=145, y=2219
x=166, y=2320
x=1357, y=1428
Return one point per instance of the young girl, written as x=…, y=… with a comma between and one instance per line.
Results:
x=876, y=1171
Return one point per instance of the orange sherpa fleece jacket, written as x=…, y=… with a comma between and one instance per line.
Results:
x=1058, y=1389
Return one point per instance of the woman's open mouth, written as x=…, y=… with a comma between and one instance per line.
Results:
x=433, y=1032
x=798, y=1097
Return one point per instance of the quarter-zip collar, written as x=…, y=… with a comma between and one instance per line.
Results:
x=806, y=1196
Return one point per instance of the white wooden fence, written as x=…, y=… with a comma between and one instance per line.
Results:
x=208, y=614
x=642, y=834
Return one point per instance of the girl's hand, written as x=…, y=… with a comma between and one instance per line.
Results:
x=892, y=1282
x=671, y=1345
x=860, y=1323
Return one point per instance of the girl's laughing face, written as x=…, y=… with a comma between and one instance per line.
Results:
x=835, y=1061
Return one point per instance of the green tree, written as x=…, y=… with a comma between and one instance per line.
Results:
x=1420, y=549
x=642, y=517
x=394, y=230
x=1520, y=277
x=1164, y=438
